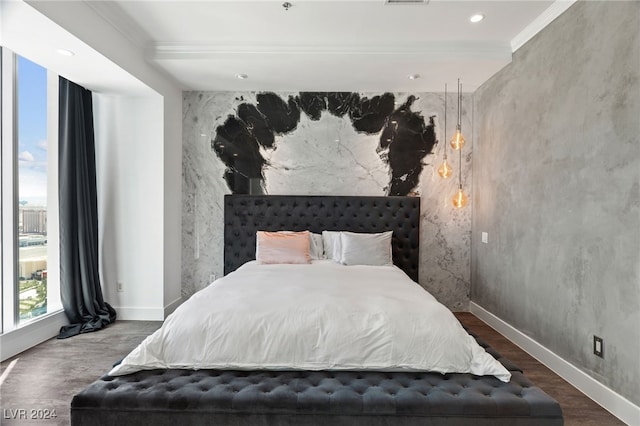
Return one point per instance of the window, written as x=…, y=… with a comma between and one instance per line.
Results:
x=32, y=189
x=30, y=286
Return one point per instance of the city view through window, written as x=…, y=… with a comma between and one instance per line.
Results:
x=32, y=189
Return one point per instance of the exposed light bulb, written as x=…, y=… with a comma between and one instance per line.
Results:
x=459, y=200
x=445, y=169
x=457, y=141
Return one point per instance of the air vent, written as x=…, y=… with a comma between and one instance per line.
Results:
x=425, y=2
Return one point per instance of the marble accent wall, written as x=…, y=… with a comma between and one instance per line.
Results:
x=325, y=144
x=557, y=187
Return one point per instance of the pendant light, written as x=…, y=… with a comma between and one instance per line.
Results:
x=445, y=169
x=457, y=141
x=460, y=199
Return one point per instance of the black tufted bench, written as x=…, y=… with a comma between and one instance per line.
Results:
x=300, y=398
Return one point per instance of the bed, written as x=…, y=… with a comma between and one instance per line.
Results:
x=321, y=392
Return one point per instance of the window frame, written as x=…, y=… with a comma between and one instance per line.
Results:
x=8, y=171
x=9, y=197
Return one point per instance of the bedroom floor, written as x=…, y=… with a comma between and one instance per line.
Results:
x=47, y=376
x=576, y=407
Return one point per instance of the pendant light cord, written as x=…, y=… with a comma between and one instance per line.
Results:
x=459, y=130
x=445, y=121
x=459, y=112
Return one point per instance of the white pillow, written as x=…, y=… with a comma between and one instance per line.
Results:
x=366, y=249
x=332, y=247
x=316, y=246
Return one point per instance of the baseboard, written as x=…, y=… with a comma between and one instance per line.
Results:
x=139, y=314
x=611, y=401
x=168, y=310
x=147, y=314
x=23, y=338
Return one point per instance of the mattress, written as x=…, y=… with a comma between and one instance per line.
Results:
x=319, y=316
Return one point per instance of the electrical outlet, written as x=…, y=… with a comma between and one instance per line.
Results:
x=598, y=346
x=120, y=286
x=485, y=237
x=212, y=278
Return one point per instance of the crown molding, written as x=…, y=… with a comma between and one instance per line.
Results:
x=435, y=51
x=552, y=12
x=118, y=19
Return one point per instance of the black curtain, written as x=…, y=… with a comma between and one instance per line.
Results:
x=79, y=280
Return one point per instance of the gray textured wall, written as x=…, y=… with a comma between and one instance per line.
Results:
x=556, y=184
x=445, y=232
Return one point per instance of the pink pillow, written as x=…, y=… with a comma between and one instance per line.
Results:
x=281, y=247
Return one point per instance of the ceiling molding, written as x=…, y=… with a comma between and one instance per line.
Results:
x=433, y=50
x=118, y=19
x=538, y=24
x=406, y=2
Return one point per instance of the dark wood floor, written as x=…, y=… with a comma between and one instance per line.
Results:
x=47, y=376
x=578, y=409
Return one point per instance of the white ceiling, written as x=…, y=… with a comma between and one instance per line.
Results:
x=32, y=35
x=326, y=45
x=316, y=45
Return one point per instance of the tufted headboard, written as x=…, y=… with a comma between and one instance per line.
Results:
x=246, y=214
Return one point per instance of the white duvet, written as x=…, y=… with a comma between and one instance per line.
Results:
x=322, y=316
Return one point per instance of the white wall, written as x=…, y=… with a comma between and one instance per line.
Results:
x=129, y=164
x=172, y=260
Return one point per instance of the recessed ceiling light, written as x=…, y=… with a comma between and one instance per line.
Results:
x=65, y=52
x=413, y=76
x=242, y=76
x=477, y=18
